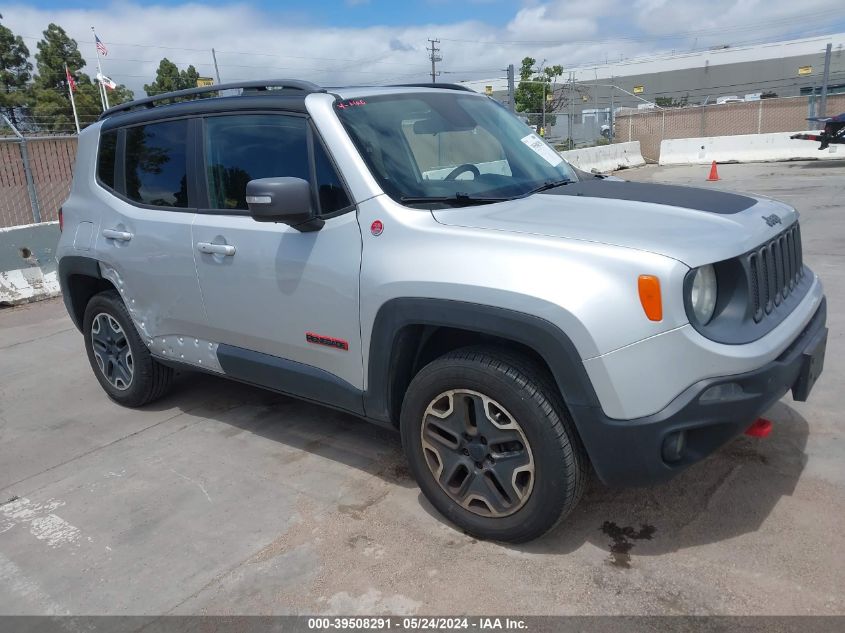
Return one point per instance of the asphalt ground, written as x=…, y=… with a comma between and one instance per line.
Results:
x=225, y=499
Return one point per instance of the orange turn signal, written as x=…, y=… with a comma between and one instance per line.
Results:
x=649, y=288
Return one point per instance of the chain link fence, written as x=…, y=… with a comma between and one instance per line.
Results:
x=650, y=127
x=35, y=177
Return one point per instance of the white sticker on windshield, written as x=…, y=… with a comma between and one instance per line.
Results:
x=547, y=153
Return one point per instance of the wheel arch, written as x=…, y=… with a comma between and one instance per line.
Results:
x=80, y=279
x=410, y=332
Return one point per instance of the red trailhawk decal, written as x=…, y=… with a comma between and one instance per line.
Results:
x=328, y=341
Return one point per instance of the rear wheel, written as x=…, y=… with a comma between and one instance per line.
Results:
x=122, y=363
x=491, y=444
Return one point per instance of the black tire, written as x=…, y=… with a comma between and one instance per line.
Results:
x=149, y=380
x=525, y=394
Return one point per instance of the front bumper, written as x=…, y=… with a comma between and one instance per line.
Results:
x=631, y=452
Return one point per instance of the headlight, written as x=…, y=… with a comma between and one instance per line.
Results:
x=703, y=294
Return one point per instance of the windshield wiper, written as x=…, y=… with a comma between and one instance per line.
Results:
x=459, y=199
x=549, y=184
x=465, y=199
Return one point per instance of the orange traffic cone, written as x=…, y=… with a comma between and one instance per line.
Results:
x=714, y=173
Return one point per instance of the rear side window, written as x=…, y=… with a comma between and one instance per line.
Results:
x=240, y=148
x=105, y=158
x=156, y=164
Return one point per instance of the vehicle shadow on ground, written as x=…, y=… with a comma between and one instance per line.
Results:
x=300, y=425
x=728, y=495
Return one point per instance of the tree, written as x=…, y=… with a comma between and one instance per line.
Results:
x=671, y=102
x=535, y=83
x=190, y=77
x=167, y=79
x=52, y=109
x=15, y=73
x=170, y=78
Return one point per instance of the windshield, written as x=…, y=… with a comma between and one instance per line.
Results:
x=436, y=146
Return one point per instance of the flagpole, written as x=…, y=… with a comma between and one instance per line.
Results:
x=72, y=101
x=104, y=98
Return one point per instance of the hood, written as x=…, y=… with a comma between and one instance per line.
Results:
x=693, y=225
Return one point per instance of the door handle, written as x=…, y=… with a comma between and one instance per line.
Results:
x=114, y=234
x=216, y=249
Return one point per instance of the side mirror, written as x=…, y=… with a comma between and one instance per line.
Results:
x=285, y=200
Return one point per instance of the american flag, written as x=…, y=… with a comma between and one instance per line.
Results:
x=100, y=46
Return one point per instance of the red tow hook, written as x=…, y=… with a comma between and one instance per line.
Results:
x=761, y=428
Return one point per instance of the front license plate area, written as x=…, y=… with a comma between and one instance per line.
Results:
x=811, y=367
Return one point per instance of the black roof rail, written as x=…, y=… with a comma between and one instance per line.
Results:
x=252, y=86
x=434, y=85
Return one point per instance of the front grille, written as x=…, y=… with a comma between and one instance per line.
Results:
x=775, y=269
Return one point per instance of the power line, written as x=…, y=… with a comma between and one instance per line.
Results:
x=433, y=51
x=207, y=50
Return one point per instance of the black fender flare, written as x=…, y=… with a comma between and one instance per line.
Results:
x=540, y=335
x=77, y=266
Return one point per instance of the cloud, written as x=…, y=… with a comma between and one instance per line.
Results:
x=541, y=23
x=730, y=17
x=398, y=45
x=251, y=43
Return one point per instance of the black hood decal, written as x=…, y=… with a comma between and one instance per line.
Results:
x=671, y=195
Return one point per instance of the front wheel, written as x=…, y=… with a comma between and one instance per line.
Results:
x=491, y=444
x=122, y=363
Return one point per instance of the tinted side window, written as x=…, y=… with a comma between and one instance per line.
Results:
x=105, y=158
x=329, y=188
x=241, y=148
x=156, y=164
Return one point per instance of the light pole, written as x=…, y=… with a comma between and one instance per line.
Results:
x=544, y=109
x=539, y=72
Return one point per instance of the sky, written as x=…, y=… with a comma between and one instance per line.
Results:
x=334, y=42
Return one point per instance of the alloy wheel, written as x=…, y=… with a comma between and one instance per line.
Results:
x=112, y=351
x=477, y=452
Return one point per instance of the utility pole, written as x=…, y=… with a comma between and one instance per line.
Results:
x=434, y=57
x=539, y=72
x=216, y=69
x=511, y=90
x=596, y=101
x=571, y=108
x=543, y=126
x=612, y=108
x=825, y=78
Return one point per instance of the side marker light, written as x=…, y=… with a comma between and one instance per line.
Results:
x=649, y=289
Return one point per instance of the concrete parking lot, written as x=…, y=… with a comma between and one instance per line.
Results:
x=224, y=499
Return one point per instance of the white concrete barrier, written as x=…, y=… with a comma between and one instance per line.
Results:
x=606, y=158
x=28, y=263
x=743, y=148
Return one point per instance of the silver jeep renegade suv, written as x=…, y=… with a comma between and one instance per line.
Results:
x=418, y=257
